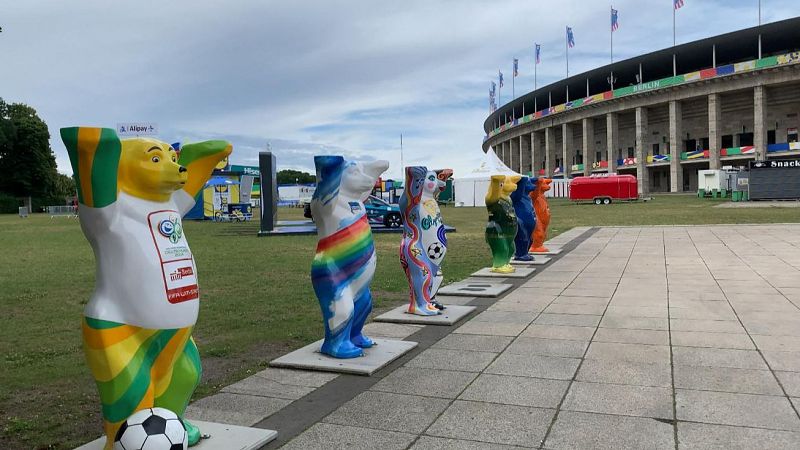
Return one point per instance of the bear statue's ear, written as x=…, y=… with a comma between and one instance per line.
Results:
x=329, y=176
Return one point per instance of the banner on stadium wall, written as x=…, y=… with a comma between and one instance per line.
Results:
x=730, y=69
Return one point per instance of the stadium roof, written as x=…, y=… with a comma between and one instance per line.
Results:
x=738, y=46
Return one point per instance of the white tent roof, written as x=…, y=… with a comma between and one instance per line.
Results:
x=491, y=165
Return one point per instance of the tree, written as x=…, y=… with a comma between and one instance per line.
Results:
x=27, y=164
x=289, y=176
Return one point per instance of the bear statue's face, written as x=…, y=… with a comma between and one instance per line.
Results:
x=510, y=184
x=431, y=185
x=543, y=185
x=148, y=169
x=358, y=179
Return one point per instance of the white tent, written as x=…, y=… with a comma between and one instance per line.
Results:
x=471, y=189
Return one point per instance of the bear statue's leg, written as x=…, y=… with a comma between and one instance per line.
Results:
x=497, y=245
x=420, y=281
x=173, y=391
x=122, y=359
x=522, y=243
x=437, y=283
x=338, y=316
x=362, y=306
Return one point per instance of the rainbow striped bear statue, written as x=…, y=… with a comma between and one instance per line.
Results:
x=137, y=326
x=344, y=263
x=424, y=243
x=526, y=219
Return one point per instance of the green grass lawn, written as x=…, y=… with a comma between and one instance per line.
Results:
x=257, y=300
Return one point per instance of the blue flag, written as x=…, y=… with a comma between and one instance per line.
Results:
x=516, y=67
x=570, y=38
x=500, y=74
x=538, y=53
x=614, y=20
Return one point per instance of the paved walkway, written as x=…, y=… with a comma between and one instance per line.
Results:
x=659, y=337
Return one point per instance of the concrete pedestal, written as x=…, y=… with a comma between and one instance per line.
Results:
x=537, y=261
x=521, y=272
x=451, y=315
x=553, y=251
x=221, y=437
x=376, y=357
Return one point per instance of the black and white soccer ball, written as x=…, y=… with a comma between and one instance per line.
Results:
x=152, y=429
x=435, y=250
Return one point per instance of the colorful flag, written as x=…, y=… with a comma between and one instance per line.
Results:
x=494, y=89
x=614, y=20
x=516, y=67
x=538, y=53
x=677, y=3
x=570, y=38
x=500, y=74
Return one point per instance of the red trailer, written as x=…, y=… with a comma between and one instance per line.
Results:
x=603, y=189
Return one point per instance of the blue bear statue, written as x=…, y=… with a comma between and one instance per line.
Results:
x=526, y=219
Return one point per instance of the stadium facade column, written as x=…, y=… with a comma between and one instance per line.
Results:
x=567, y=148
x=525, y=154
x=675, y=141
x=513, y=154
x=549, y=151
x=760, y=122
x=714, y=132
x=535, y=160
x=612, y=140
x=641, y=153
x=502, y=154
x=588, y=145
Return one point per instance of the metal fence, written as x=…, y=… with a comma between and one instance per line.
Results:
x=62, y=211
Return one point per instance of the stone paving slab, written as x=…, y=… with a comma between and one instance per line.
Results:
x=451, y=315
x=234, y=409
x=520, y=272
x=326, y=436
x=390, y=412
x=578, y=430
x=376, y=357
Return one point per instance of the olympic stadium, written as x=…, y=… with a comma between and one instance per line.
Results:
x=716, y=102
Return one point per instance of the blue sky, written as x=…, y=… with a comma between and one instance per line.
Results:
x=324, y=77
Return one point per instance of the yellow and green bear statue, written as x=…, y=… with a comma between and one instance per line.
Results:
x=502, y=226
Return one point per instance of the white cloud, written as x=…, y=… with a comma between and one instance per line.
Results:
x=319, y=77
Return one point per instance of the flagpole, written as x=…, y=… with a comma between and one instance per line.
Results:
x=513, y=76
x=566, y=46
x=535, y=66
x=402, y=171
x=673, y=23
x=612, y=36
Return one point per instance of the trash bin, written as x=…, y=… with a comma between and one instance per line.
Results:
x=736, y=196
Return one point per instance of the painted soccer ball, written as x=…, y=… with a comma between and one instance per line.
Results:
x=435, y=250
x=152, y=429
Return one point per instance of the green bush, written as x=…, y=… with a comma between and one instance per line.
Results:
x=9, y=204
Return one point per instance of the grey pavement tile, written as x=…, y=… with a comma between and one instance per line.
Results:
x=552, y=347
x=625, y=336
x=435, y=443
x=717, y=357
x=746, y=410
x=534, y=366
x=568, y=300
x=635, y=323
x=532, y=293
x=264, y=387
x=293, y=377
x=642, y=401
x=577, y=320
x=636, y=311
x=387, y=411
x=494, y=423
x=577, y=430
x=658, y=354
x=449, y=359
x=708, y=326
x=790, y=382
x=701, y=436
x=490, y=328
x=589, y=292
x=326, y=436
x=716, y=340
x=778, y=343
x=505, y=317
x=526, y=307
x=559, y=332
x=521, y=391
x=235, y=409
x=625, y=372
x=474, y=342
x=423, y=381
x=727, y=379
x=562, y=308
x=703, y=294
x=770, y=326
x=785, y=361
x=705, y=313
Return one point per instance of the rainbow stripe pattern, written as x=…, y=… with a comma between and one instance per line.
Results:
x=137, y=368
x=340, y=273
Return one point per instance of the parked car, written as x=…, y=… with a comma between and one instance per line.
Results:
x=603, y=189
x=379, y=211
